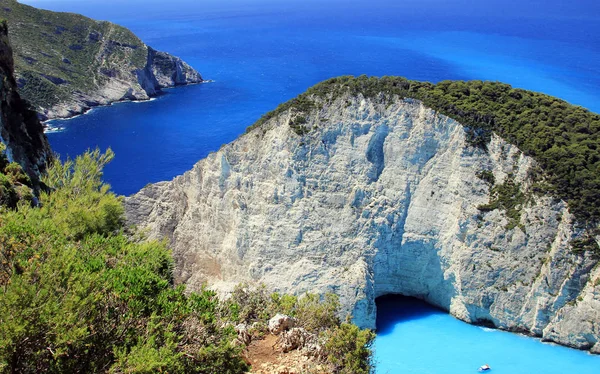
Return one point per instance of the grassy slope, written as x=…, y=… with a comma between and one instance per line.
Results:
x=68, y=49
x=563, y=138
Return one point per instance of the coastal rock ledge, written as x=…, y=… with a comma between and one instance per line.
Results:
x=378, y=196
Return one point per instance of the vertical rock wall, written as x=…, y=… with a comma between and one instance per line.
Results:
x=20, y=129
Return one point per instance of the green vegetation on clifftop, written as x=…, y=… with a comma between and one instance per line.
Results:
x=563, y=138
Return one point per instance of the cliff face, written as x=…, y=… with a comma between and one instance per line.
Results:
x=20, y=129
x=380, y=196
x=66, y=63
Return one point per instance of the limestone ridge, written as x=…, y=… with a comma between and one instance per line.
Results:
x=67, y=63
x=379, y=195
x=20, y=129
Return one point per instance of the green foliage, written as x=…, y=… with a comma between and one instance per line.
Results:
x=487, y=176
x=508, y=197
x=149, y=356
x=478, y=137
x=563, y=138
x=3, y=158
x=79, y=296
x=285, y=304
x=246, y=305
x=297, y=124
x=586, y=243
x=16, y=174
x=301, y=104
x=77, y=187
x=8, y=195
x=40, y=91
x=221, y=359
x=15, y=185
x=346, y=347
x=315, y=314
x=349, y=349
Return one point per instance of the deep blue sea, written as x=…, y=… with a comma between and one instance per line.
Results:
x=260, y=53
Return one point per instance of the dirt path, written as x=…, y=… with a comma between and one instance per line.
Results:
x=265, y=359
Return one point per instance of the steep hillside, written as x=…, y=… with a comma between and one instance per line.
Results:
x=24, y=144
x=356, y=187
x=66, y=63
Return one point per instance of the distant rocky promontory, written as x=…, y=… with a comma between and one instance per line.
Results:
x=66, y=63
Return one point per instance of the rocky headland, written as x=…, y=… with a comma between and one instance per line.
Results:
x=66, y=63
x=20, y=130
x=365, y=192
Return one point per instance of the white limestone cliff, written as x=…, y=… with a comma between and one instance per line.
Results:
x=379, y=197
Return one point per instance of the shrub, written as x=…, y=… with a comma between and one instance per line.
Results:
x=77, y=189
x=247, y=305
x=487, y=176
x=315, y=314
x=284, y=304
x=15, y=185
x=348, y=349
x=79, y=296
x=8, y=196
x=16, y=174
x=3, y=158
x=508, y=197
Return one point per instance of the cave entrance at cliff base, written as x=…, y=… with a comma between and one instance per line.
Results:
x=395, y=308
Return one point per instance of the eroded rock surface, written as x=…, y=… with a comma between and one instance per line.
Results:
x=378, y=197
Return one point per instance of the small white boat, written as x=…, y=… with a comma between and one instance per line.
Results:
x=485, y=367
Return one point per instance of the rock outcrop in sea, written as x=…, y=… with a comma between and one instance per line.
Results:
x=66, y=63
x=20, y=129
x=379, y=195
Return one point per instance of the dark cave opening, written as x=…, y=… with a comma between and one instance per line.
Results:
x=395, y=308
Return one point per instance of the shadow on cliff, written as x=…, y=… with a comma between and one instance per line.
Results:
x=394, y=309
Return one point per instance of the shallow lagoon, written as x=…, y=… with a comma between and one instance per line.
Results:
x=415, y=338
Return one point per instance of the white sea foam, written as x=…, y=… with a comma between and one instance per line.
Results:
x=53, y=129
x=139, y=101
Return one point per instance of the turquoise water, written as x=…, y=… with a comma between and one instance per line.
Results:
x=262, y=52
x=415, y=338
